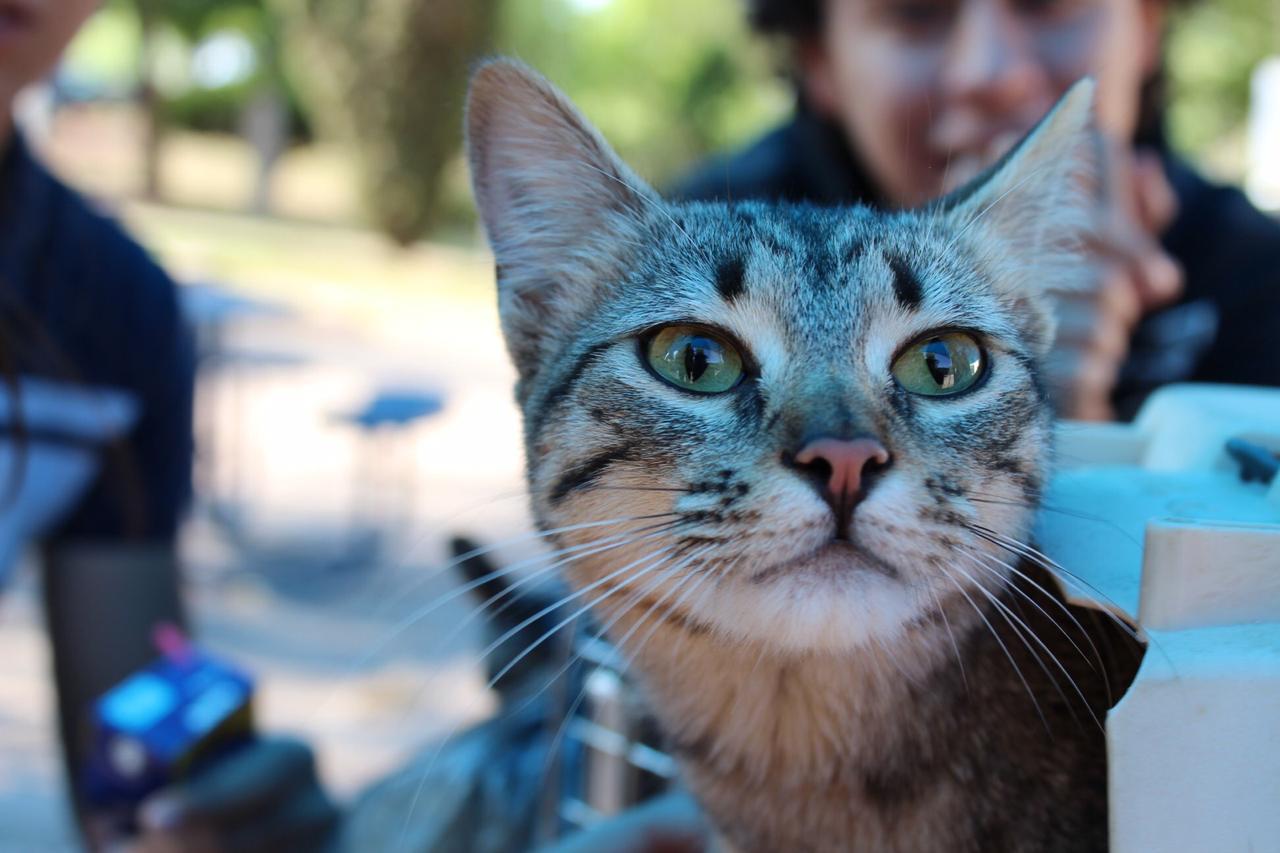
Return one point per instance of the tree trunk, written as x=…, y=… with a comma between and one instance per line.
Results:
x=149, y=100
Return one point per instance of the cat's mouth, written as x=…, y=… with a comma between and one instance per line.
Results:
x=837, y=556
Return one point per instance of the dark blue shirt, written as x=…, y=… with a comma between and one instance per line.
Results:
x=81, y=302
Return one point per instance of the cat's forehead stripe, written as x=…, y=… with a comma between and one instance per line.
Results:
x=537, y=417
x=906, y=284
x=729, y=278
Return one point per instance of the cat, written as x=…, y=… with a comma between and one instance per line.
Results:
x=792, y=453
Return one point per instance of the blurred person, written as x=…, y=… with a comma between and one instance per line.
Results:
x=902, y=101
x=96, y=440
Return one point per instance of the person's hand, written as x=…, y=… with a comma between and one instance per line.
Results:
x=263, y=797
x=1134, y=276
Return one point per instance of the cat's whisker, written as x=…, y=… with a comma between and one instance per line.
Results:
x=582, y=693
x=996, y=636
x=955, y=646
x=458, y=629
x=559, y=558
x=636, y=574
x=425, y=577
x=637, y=596
x=661, y=554
x=542, y=572
x=1111, y=613
x=421, y=531
x=572, y=553
x=978, y=497
x=1022, y=630
x=603, y=488
x=994, y=563
x=1049, y=564
x=888, y=655
x=716, y=574
x=1097, y=656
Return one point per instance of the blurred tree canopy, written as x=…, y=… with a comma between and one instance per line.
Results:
x=387, y=77
x=667, y=81
x=1212, y=51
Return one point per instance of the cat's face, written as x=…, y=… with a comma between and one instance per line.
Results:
x=795, y=426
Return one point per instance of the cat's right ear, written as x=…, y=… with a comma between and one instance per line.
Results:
x=1030, y=216
x=561, y=210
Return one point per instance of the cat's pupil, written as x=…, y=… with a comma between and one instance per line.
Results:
x=937, y=357
x=695, y=361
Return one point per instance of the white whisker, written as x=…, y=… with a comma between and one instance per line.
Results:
x=996, y=636
x=1023, y=630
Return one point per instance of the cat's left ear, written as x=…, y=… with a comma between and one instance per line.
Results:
x=561, y=210
x=1028, y=217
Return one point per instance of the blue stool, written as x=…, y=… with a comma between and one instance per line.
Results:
x=382, y=488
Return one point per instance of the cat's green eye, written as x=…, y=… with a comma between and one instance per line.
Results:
x=940, y=365
x=694, y=359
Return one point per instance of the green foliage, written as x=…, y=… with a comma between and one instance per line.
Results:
x=195, y=19
x=387, y=77
x=667, y=81
x=1212, y=51
x=107, y=48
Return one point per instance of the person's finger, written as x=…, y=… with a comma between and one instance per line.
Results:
x=1120, y=300
x=1083, y=333
x=1155, y=201
x=247, y=781
x=1080, y=384
x=1117, y=239
x=1158, y=277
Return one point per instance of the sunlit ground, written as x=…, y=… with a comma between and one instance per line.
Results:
x=289, y=490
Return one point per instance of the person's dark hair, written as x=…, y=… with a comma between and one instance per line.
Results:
x=786, y=17
x=799, y=18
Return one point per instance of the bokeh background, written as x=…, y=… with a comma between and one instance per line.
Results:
x=296, y=164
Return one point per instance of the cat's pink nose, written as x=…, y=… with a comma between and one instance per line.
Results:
x=847, y=461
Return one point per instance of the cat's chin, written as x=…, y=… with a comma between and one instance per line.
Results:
x=840, y=556
x=837, y=598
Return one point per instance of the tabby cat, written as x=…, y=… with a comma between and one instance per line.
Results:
x=792, y=454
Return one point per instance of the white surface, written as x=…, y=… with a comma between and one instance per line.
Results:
x=1194, y=747
x=1200, y=575
x=1176, y=540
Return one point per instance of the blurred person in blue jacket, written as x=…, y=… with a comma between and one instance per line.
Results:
x=95, y=462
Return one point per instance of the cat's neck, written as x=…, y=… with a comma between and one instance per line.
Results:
x=893, y=748
x=756, y=711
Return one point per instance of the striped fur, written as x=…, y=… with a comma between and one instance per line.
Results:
x=772, y=656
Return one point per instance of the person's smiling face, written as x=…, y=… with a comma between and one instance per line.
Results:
x=33, y=34
x=931, y=91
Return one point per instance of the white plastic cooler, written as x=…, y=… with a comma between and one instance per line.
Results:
x=1158, y=524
